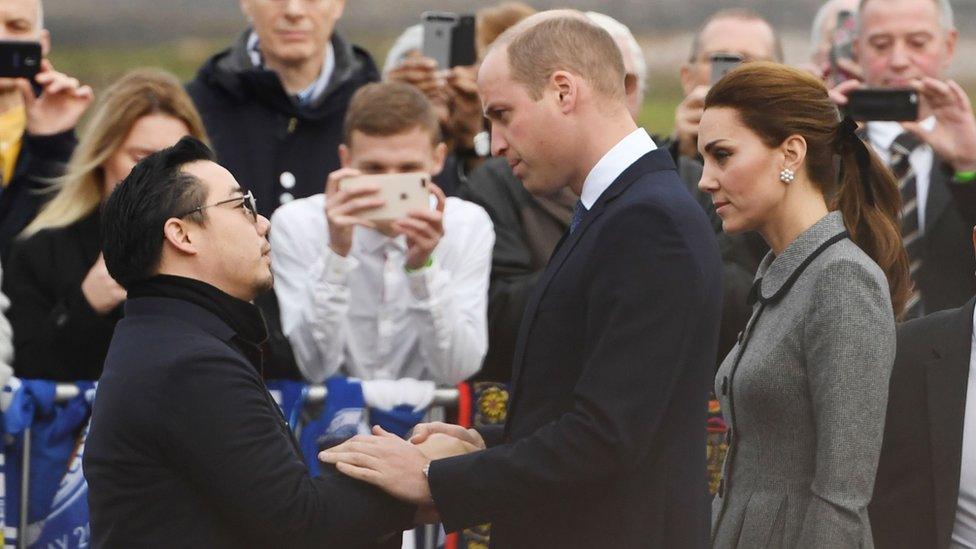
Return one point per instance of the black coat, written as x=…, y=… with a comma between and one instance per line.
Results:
x=187, y=448
x=41, y=159
x=604, y=444
x=57, y=335
x=917, y=484
x=946, y=277
x=259, y=132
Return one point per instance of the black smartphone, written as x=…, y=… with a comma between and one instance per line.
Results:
x=19, y=59
x=723, y=63
x=462, y=42
x=842, y=46
x=876, y=104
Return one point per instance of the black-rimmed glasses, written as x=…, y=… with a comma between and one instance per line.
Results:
x=247, y=201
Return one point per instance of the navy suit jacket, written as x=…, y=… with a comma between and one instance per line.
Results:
x=605, y=440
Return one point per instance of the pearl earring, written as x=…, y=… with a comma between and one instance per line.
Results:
x=787, y=176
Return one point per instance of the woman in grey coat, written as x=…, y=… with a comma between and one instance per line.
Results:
x=804, y=390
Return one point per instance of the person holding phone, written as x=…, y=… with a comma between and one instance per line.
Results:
x=37, y=121
x=384, y=298
x=64, y=303
x=910, y=44
x=832, y=36
x=727, y=32
x=450, y=88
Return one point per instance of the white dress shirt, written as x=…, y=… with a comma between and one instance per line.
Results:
x=964, y=531
x=364, y=316
x=883, y=134
x=617, y=159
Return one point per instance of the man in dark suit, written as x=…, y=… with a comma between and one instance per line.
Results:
x=911, y=43
x=186, y=446
x=925, y=490
x=603, y=445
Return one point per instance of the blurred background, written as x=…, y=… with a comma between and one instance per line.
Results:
x=98, y=40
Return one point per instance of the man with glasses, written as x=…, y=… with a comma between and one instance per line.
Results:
x=273, y=105
x=186, y=446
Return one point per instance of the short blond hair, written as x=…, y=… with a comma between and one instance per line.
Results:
x=566, y=40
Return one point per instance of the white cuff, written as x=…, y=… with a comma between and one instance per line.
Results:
x=335, y=268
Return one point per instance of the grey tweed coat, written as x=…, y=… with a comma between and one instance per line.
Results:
x=806, y=401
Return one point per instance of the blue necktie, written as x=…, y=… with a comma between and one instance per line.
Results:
x=579, y=210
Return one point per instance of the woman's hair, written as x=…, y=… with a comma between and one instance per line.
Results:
x=139, y=93
x=776, y=102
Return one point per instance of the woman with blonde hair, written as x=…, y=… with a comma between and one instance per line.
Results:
x=805, y=389
x=64, y=304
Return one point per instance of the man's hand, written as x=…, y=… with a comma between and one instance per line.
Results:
x=343, y=206
x=100, y=289
x=423, y=229
x=440, y=446
x=686, y=119
x=838, y=94
x=385, y=461
x=59, y=107
x=954, y=137
x=466, y=117
x=426, y=430
x=421, y=73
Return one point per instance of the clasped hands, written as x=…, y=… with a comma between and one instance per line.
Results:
x=396, y=466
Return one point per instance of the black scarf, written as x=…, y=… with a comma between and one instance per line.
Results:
x=243, y=317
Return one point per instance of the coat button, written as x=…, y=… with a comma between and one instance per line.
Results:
x=287, y=180
x=285, y=198
x=725, y=385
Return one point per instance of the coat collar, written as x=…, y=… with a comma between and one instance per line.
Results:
x=777, y=273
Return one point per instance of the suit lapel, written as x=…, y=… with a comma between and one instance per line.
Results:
x=655, y=160
x=559, y=255
x=947, y=374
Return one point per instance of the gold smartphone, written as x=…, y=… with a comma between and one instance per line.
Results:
x=401, y=192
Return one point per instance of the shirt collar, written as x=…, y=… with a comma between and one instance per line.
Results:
x=619, y=158
x=883, y=134
x=310, y=94
x=775, y=271
x=372, y=241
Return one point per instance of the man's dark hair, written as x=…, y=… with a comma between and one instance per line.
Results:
x=135, y=213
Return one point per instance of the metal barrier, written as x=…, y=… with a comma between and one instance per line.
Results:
x=316, y=395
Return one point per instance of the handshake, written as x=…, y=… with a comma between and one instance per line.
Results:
x=399, y=467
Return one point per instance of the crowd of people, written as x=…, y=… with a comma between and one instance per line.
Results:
x=755, y=331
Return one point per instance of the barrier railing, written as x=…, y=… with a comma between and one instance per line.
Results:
x=317, y=394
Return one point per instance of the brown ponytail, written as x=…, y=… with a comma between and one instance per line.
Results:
x=775, y=102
